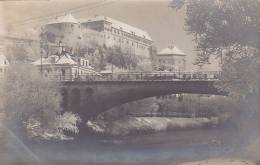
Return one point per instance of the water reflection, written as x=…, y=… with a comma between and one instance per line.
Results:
x=158, y=148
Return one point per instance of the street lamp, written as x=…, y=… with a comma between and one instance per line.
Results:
x=41, y=53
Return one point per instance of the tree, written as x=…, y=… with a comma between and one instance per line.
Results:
x=28, y=99
x=26, y=52
x=228, y=30
x=121, y=59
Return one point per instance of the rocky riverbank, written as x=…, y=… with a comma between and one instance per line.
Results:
x=219, y=161
x=148, y=124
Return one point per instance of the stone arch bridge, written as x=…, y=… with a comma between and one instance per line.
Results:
x=90, y=98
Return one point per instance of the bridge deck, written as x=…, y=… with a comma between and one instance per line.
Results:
x=139, y=76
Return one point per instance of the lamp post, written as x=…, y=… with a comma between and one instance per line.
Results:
x=41, y=60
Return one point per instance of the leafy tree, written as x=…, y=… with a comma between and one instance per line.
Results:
x=101, y=51
x=96, y=57
x=117, y=57
x=228, y=30
x=28, y=99
x=22, y=52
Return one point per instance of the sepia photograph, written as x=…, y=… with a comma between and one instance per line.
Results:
x=129, y=82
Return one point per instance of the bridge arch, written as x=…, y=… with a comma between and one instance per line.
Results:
x=64, y=98
x=75, y=98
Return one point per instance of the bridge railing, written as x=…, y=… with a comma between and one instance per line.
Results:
x=154, y=76
x=172, y=114
x=137, y=76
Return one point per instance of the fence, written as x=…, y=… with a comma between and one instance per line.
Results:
x=138, y=76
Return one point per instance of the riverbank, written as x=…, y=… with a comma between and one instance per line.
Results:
x=225, y=161
x=132, y=125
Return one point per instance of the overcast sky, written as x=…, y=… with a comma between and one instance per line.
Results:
x=164, y=24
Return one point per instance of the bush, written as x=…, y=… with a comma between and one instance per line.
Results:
x=32, y=104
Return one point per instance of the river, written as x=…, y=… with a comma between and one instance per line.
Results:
x=156, y=148
x=165, y=147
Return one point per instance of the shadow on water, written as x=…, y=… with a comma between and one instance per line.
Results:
x=157, y=148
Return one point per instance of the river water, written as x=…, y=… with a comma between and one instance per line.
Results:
x=166, y=147
x=156, y=148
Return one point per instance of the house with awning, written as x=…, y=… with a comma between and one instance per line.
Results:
x=64, y=67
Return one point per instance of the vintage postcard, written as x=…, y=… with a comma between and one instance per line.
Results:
x=129, y=82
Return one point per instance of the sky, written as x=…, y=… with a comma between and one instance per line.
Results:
x=164, y=24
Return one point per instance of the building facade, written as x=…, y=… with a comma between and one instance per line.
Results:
x=116, y=33
x=170, y=59
x=64, y=67
x=99, y=30
x=65, y=30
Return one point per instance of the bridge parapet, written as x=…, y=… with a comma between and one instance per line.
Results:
x=139, y=76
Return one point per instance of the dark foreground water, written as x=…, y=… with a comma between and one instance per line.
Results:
x=157, y=148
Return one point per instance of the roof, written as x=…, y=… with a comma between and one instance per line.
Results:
x=171, y=50
x=65, y=59
x=68, y=18
x=120, y=25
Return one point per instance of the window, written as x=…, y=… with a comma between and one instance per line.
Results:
x=63, y=72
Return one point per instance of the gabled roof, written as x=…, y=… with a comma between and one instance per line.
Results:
x=120, y=25
x=68, y=18
x=66, y=59
x=171, y=50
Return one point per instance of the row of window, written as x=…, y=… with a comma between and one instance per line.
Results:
x=121, y=40
x=2, y=70
x=126, y=34
x=83, y=62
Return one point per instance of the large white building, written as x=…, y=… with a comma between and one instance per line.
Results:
x=116, y=33
x=170, y=59
x=65, y=30
x=102, y=30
